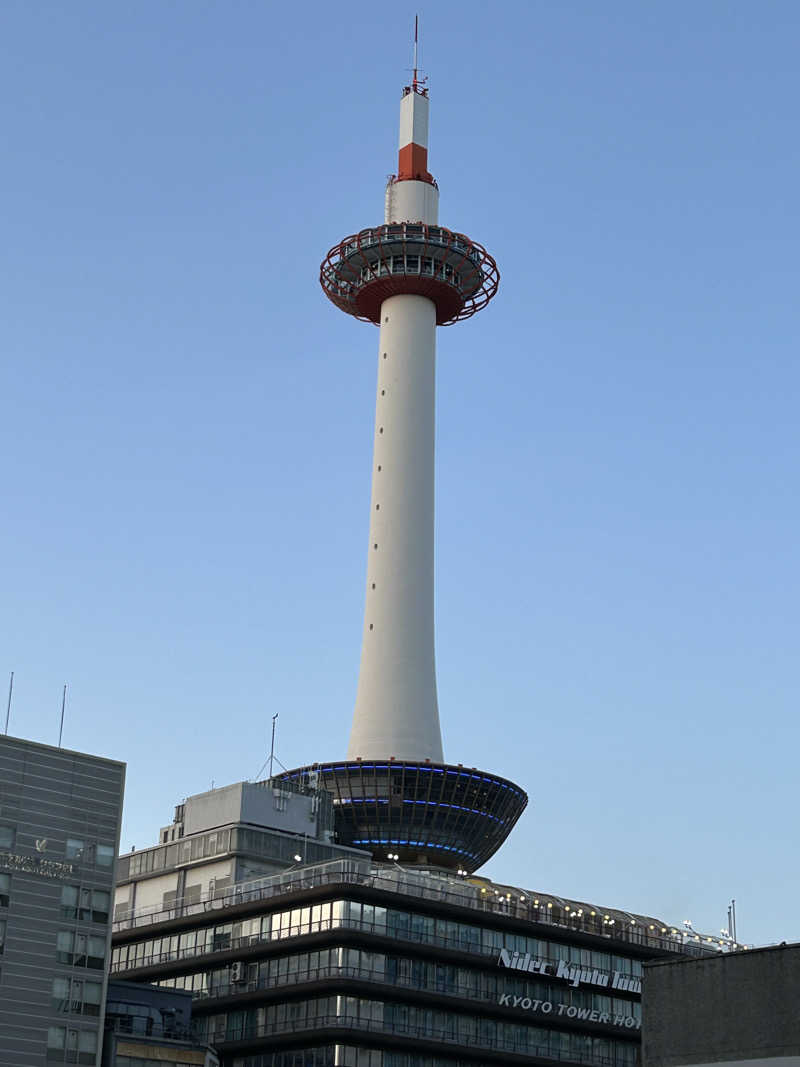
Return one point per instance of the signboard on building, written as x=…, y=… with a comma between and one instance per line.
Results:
x=570, y=972
x=569, y=1011
x=13, y=861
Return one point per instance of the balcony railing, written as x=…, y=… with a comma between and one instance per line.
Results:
x=140, y=1026
x=407, y=937
x=236, y=1033
x=378, y=976
x=482, y=898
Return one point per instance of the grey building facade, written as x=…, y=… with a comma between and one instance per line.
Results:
x=734, y=1008
x=59, y=837
x=222, y=838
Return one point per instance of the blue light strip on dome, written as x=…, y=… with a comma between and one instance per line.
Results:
x=425, y=803
x=458, y=807
x=333, y=768
x=413, y=844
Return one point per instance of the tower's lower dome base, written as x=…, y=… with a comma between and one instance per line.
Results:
x=424, y=813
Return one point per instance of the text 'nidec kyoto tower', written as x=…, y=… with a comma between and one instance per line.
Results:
x=394, y=795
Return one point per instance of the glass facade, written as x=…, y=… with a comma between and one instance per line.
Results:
x=381, y=966
x=417, y=1022
x=446, y=979
x=346, y=1056
x=399, y=924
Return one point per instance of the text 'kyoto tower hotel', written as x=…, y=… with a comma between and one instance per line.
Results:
x=394, y=795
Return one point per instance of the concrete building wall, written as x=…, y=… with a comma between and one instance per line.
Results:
x=734, y=1008
x=201, y=881
x=59, y=836
x=151, y=893
x=260, y=804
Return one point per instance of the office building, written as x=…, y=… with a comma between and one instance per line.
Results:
x=354, y=962
x=59, y=837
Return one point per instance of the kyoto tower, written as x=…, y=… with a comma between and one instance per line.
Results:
x=394, y=795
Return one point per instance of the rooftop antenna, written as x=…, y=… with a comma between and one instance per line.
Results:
x=63, y=705
x=417, y=83
x=8, y=708
x=416, y=42
x=272, y=744
x=272, y=759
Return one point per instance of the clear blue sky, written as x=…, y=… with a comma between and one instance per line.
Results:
x=187, y=423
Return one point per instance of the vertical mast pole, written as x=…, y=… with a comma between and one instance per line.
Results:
x=272, y=744
x=8, y=708
x=63, y=705
x=416, y=41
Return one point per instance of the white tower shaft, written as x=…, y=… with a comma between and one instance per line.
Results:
x=396, y=712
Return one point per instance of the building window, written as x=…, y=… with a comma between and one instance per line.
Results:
x=60, y=994
x=72, y=1046
x=74, y=849
x=87, y=1046
x=2, y=935
x=69, y=901
x=5, y=889
x=101, y=905
x=89, y=905
x=56, y=1041
x=76, y=996
x=65, y=943
x=80, y=950
x=104, y=855
x=7, y=834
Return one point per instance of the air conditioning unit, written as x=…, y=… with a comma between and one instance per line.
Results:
x=238, y=972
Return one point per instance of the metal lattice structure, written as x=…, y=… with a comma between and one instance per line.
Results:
x=431, y=813
x=363, y=270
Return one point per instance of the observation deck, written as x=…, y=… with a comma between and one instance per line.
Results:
x=426, y=813
x=363, y=270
